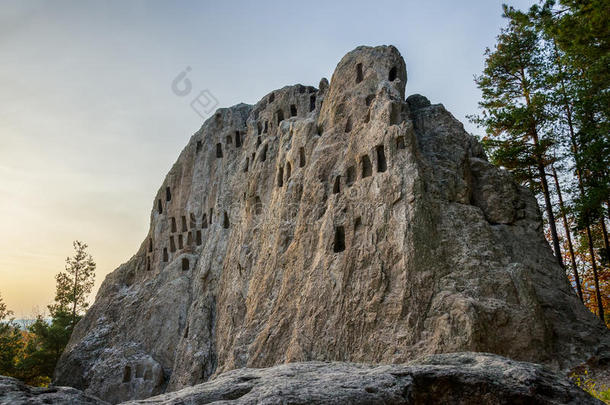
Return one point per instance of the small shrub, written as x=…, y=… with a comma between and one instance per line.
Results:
x=592, y=387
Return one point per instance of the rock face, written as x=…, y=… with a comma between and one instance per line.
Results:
x=343, y=223
x=460, y=378
x=14, y=392
x=456, y=378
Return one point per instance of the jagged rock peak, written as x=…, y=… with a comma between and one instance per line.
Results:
x=343, y=223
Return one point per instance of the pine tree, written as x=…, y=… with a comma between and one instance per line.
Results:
x=514, y=106
x=10, y=341
x=74, y=285
x=579, y=77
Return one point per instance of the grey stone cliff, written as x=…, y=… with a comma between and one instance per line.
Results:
x=344, y=223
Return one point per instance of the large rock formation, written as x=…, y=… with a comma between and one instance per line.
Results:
x=456, y=378
x=341, y=223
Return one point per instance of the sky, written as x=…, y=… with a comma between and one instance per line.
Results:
x=90, y=125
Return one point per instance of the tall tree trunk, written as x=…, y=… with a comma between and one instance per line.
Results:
x=568, y=110
x=73, y=320
x=600, y=304
x=568, y=235
x=547, y=200
x=542, y=173
x=605, y=233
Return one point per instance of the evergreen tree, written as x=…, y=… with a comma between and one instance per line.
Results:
x=514, y=108
x=10, y=341
x=74, y=286
x=579, y=79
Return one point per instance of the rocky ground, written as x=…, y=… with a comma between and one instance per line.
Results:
x=456, y=378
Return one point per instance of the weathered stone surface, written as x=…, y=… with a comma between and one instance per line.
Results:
x=460, y=378
x=343, y=224
x=456, y=378
x=14, y=392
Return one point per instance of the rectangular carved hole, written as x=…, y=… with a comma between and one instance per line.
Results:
x=165, y=255
x=198, y=237
x=288, y=171
x=237, y=139
x=252, y=160
x=264, y=153
x=259, y=128
x=359, y=75
x=218, y=150
x=367, y=168
x=173, y=220
x=381, y=162
x=350, y=176
x=159, y=206
x=185, y=263
x=339, y=242
x=139, y=371
x=211, y=215
x=293, y=110
x=183, y=223
x=280, y=116
x=301, y=157
x=168, y=194
x=393, y=73
x=312, y=103
x=394, y=114
x=172, y=244
x=150, y=244
x=280, y=176
x=266, y=127
x=348, y=125
x=180, y=242
x=258, y=141
x=337, y=185
x=127, y=374
x=246, y=166
x=357, y=224
x=204, y=223
x=400, y=142
x=192, y=221
x=258, y=206
x=199, y=146
x=271, y=97
x=225, y=221
x=369, y=99
x=147, y=263
x=189, y=239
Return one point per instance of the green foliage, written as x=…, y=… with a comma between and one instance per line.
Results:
x=44, y=348
x=31, y=355
x=579, y=32
x=546, y=102
x=10, y=341
x=514, y=107
x=592, y=387
x=74, y=285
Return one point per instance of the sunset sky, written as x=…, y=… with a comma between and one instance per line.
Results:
x=89, y=125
